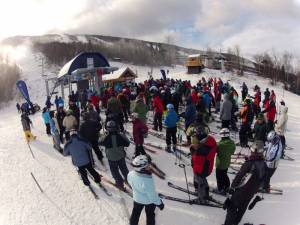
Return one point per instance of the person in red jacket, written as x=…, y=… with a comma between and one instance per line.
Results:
x=203, y=156
x=194, y=96
x=270, y=110
x=95, y=102
x=158, y=112
x=139, y=131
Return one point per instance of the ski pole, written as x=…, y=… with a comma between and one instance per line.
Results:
x=187, y=186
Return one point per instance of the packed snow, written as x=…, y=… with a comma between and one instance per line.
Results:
x=65, y=200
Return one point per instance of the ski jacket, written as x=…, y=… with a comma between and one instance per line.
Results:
x=206, y=100
x=93, y=115
x=90, y=130
x=46, y=117
x=141, y=109
x=190, y=114
x=248, y=180
x=203, y=157
x=60, y=115
x=194, y=96
x=270, y=109
x=246, y=114
x=280, y=126
x=114, y=106
x=273, y=153
x=260, y=132
x=114, y=144
x=157, y=104
x=171, y=119
x=140, y=130
x=95, y=100
x=70, y=122
x=143, y=188
x=226, y=108
x=80, y=151
x=123, y=100
x=225, y=148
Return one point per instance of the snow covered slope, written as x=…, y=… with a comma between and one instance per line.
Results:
x=66, y=201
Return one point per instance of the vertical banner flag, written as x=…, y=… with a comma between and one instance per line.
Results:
x=21, y=85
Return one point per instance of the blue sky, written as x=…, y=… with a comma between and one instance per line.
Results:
x=255, y=25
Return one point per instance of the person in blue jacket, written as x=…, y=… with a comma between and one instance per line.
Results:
x=144, y=193
x=55, y=131
x=170, y=122
x=81, y=153
x=46, y=118
x=189, y=116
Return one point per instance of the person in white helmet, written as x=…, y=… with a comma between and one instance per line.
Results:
x=225, y=148
x=272, y=156
x=144, y=193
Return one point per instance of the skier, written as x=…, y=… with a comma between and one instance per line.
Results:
x=114, y=112
x=244, y=91
x=26, y=123
x=170, y=121
x=272, y=156
x=203, y=156
x=55, y=131
x=60, y=115
x=246, y=114
x=69, y=123
x=158, y=108
x=260, y=129
x=92, y=114
x=144, y=194
x=280, y=124
x=114, y=144
x=48, y=102
x=18, y=108
x=270, y=110
x=189, y=116
x=46, y=118
x=243, y=191
x=89, y=130
x=125, y=104
x=140, y=108
x=139, y=132
x=81, y=152
x=225, y=113
x=225, y=148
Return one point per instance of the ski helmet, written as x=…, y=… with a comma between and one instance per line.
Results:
x=140, y=162
x=111, y=126
x=224, y=132
x=73, y=132
x=170, y=106
x=271, y=135
x=134, y=115
x=257, y=149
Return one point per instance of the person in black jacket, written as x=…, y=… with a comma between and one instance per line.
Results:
x=89, y=130
x=114, y=144
x=243, y=191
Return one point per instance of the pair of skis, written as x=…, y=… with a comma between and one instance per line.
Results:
x=210, y=202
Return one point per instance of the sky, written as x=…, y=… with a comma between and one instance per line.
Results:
x=254, y=25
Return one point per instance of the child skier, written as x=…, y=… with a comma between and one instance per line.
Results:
x=144, y=194
x=170, y=122
x=139, y=132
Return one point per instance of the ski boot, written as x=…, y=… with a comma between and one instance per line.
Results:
x=168, y=149
x=174, y=148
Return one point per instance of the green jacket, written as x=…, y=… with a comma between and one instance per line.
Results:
x=226, y=148
x=260, y=131
x=141, y=109
x=114, y=105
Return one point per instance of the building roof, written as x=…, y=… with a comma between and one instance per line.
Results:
x=121, y=74
x=83, y=60
x=194, y=56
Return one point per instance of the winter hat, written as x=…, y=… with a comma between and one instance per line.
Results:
x=170, y=106
x=260, y=116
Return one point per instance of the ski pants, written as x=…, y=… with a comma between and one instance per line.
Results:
x=56, y=140
x=225, y=123
x=115, y=168
x=270, y=172
x=171, y=136
x=97, y=150
x=136, y=213
x=235, y=213
x=223, y=182
x=157, y=121
x=243, y=134
x=201, y=186
x=83, y=173
x=48, y=129
x=139, y=150
x=270, y=126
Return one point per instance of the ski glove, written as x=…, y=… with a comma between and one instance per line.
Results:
x=161, y=206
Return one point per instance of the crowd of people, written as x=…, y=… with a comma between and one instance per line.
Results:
x=172, y=102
